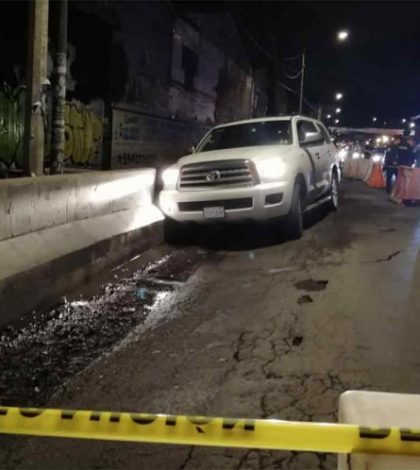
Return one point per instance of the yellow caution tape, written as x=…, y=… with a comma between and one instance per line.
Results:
x=205, y=431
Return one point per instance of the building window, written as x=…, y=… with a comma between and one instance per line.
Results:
x=190, y=66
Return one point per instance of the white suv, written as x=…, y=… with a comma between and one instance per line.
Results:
x=256, y=169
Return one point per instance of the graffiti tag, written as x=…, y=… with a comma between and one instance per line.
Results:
x=84, y=130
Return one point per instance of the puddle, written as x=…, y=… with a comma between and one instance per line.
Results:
x=36, y=357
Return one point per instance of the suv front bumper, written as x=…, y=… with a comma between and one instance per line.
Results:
x=261, y=202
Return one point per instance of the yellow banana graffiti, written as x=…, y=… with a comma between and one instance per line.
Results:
x=84, y=128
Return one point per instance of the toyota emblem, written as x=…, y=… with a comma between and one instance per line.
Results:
x=213, y=175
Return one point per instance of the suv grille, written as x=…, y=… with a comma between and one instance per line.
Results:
x=217, y=173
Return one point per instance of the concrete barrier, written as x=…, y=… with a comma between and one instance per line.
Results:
x=55, y=231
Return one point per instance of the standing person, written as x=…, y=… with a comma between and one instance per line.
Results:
x=405, y=151
x=391, y=163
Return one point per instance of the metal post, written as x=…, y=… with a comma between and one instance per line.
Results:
x=36, y=76
x=320, y=112
x=58, y=139
x=302, y=78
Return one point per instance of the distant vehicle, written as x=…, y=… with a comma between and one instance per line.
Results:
x=254, y=170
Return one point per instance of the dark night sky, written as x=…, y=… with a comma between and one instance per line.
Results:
x=378, y=69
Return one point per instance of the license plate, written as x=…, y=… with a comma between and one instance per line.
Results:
x=214, y=212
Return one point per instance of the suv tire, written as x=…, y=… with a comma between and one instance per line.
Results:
x=294, y=220
x=334, y=194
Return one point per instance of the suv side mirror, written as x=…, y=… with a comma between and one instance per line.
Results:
x=312, y=138
x=190, y=150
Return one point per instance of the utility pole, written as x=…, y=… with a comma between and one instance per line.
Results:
x=302, y=78
x=320, y=112
x=58, y=140
x=36, y=76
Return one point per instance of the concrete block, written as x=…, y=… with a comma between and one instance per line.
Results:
x=38, y=267
x=5, y=229
x=50, y=202
x=22, y=206
x=383, y=410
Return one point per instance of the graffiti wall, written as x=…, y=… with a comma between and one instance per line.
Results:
x=84, y=127
x=12, y=102
x=143, y=140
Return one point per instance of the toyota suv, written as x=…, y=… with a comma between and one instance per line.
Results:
x=258, y=169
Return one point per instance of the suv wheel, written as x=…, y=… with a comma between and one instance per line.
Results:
x=294, y=219
x=334, y=195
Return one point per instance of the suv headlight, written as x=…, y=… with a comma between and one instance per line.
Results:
x=170, y=177
x=270, y=169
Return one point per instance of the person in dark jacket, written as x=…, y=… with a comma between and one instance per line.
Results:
x=391, y=163
x=405, y=151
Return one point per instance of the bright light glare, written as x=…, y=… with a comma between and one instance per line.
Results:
x=145, y=215
x=328, y=116
x=342, y=35
x=338, y=96
x=385, y=138
x=356, y=155
x=374, y=119
x=170, y=176
x=342, y=153
x=403, y=120
x=139, y=186
x=338, y=110
x=412, y=125
x=376, y=158
x=271, y=168
x=378, y=140
x=337, y=121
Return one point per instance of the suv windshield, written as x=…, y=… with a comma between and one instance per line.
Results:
x=248, y=135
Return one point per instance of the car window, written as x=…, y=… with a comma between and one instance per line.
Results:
x=324, y=133
x=247, y=135
x=305, y=127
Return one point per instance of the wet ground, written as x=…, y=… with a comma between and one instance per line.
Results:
x=239, y=323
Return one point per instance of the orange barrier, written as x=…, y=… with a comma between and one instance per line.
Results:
x=407, y=187
x=376, y=179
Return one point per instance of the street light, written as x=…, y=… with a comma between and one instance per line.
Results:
x=412, y=125
x=338, y=96
x=329, y=116
x=374, y=119
x=342, y=35
x=337, y=121
x=338, y=110
x=403, y=120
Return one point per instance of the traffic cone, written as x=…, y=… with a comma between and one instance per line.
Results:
x=376, y=179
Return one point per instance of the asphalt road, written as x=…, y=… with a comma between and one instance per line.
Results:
x=241, y=324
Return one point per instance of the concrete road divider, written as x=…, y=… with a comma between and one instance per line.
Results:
x=56, y=231
x=207, y=431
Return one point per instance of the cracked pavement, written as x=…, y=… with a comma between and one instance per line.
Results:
x=235, y=340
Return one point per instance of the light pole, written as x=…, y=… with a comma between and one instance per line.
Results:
x=342, y=36
x=302, y=79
